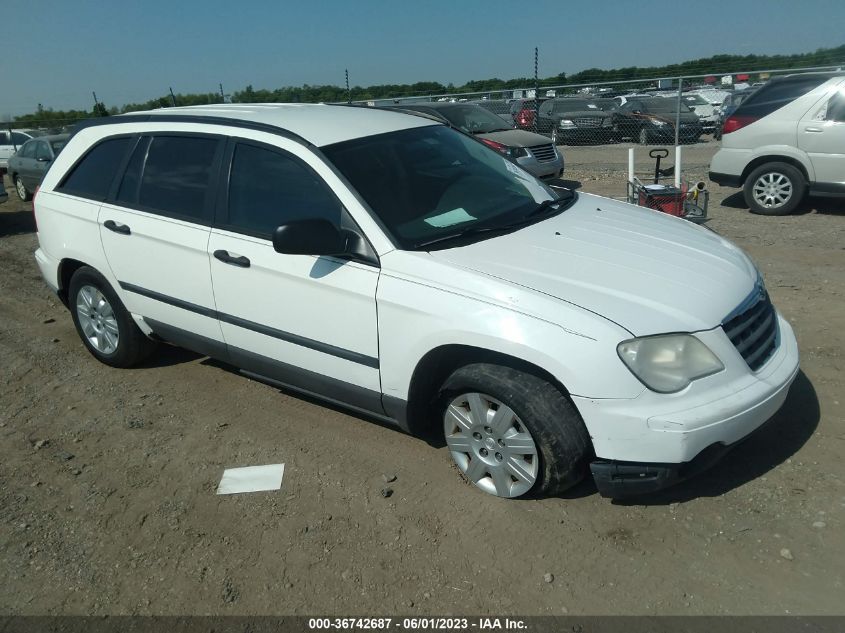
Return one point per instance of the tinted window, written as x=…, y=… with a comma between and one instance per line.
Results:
x=268, y=188
x=776, y=94
x=92, y=176
x=19, y=139
x=42, y=151
x=27, y=150
x=177, y=174
x=836, y=108
x=4, y=138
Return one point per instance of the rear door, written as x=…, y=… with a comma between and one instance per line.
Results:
x=307, y=321
x=821, y=133
x=155, y=229
x=36, y=167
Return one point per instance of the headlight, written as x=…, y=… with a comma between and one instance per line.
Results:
x=516, y=152
x=658, y=123
x=566, y=123
x=668, y=363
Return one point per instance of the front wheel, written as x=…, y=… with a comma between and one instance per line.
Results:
x=644, y=138
x=774, y=189
x=103, y=323
x=511, y=433
x=21, y=190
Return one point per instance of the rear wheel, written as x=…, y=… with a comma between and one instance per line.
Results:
x=21, y=190
x=103, y=323
x=511, y=433
x=774, y=189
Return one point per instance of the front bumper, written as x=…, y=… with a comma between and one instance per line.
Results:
x=655, y=440
x=545, y=169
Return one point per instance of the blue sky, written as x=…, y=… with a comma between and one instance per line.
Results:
x=57, y=51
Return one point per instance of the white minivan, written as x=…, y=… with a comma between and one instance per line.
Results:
x=785, y=140
x=405, y=270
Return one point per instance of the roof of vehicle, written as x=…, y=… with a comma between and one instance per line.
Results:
x=318, y=124
x=51, y=137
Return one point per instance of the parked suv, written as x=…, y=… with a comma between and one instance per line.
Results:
x=396, y=266
x=784, y=140
x=571, y=120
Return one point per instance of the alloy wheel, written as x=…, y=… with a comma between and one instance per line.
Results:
x=772, y=190
x=97, y=320
x=20, y=188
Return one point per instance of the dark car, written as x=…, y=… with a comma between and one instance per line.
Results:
x=29, y=165
x=572, y=120
x=531, y=151
x=523, y=112
x=652, y=120
x=499, y=107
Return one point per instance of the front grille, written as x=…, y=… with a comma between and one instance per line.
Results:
x=588, y=121
x=543, y=153
x=754, y=331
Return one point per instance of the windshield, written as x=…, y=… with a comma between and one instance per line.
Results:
x=660, y=105
x=473, y=119
x=606, y=105
x=694, y=100
x=429, y=183
x=574, y=105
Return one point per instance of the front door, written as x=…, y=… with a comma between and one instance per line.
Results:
x=306, y=321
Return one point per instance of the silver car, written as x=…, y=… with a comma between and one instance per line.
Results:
x=533, y=152
x=29, y=165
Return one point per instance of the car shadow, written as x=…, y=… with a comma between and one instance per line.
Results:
x=167, y=355
x=16, y=223
x=810, y=204
x=786, y=432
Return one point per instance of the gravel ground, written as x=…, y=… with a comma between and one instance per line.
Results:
x=107, y=477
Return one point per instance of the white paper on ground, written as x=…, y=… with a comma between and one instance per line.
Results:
x=251, y=479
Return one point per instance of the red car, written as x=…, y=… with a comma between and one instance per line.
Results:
x=523, y=112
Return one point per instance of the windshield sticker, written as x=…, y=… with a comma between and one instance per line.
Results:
x=450, y=218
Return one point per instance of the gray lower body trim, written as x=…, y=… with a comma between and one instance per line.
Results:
x=285, y=375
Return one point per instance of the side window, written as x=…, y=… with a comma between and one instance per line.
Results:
x=176, y=176
x=268, y=188
x=92, y=176
x=836, y=108
x=777, y=94
x=27, y=150
x=4, y=138
x=42, y=152
x=546, y=108
x=19, y=139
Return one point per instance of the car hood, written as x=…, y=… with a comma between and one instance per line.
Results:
x=517, y=138
x=644, y=270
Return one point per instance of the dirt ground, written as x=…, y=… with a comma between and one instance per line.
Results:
x=107, y=477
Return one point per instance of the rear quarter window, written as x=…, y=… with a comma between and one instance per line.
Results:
x=778, y=94
x=92, y=176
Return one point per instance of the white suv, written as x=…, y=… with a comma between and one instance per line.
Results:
x=784, y=140
x=401, y=268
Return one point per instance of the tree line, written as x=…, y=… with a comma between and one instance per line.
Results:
x=715, y=65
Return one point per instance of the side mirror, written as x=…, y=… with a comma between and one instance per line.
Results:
x=310, y=237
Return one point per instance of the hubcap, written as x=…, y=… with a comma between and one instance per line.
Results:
x=772, y=190
x=491, y=445
x=97, y=320
x=21, y=189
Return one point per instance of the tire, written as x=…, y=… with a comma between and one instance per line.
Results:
x=528, y=440
x=774, y=189
x=103, y=323
x=21, y=190
x=644, y=138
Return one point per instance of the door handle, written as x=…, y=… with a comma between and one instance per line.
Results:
x=812, y=129
x=111, y=225
x=234, y=260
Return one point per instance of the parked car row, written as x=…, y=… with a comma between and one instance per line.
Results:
x=10, y=142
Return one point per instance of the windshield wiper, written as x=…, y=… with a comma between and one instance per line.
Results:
x=559, y=204
x=468, y=232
